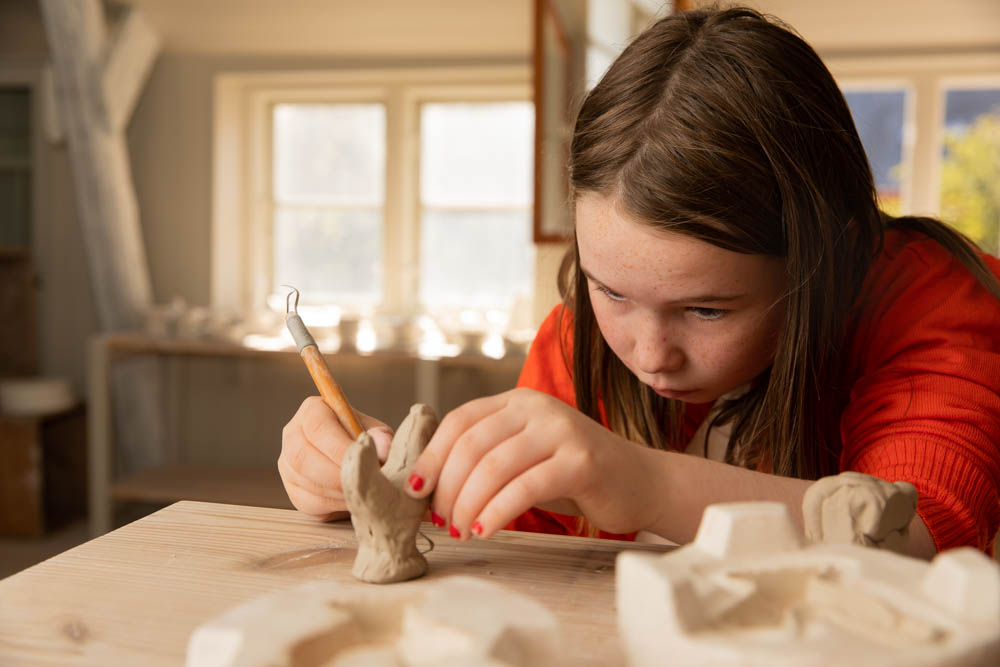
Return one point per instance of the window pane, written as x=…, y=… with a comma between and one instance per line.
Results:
x=476, y=182
x=15, y=166
x=477, y=154
x=15, y=205
x=15, y=129
x=970, y=171
x=329, y=153
x=330, y=255
x=475, y=259
x=879, y=116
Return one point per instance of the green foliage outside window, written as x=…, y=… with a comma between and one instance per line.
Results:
x=970, y=181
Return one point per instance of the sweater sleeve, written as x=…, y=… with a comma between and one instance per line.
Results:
x=925, y=404
x=546, y=368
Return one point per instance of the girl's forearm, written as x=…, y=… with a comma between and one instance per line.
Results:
x=690, y=484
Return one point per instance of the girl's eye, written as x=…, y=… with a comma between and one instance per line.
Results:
x=614, y=296
x=707, y=313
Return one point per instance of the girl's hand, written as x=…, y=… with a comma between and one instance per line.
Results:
x=312, y=445
x=494, y=458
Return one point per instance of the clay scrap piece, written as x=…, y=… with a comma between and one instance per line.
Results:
x=854, y=508
x=385, y=518
x=418, y=624
x=748, y=592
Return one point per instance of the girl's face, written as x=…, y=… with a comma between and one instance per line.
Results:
x=691, y=320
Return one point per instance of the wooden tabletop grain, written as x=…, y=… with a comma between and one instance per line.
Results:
x=133, y=596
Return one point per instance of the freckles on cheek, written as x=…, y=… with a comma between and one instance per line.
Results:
x=712, y=361
x=608, y=326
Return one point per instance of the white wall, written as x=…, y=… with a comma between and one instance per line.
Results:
x=888, y=25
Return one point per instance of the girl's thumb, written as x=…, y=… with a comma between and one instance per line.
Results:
x=382, y=436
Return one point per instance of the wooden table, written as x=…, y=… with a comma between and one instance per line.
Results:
x=133, y=596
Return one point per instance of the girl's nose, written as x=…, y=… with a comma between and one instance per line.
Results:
x=657, y=352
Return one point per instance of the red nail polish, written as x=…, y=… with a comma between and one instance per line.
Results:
x=453, y=531
x=477, y=528
x=437, y=519
x=416, y=482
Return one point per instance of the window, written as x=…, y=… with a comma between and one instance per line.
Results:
x=328, y=202
x=15, y=166
x=880, y=115
x=397, y=192
x=931, y=128
x=475, y=193
x=970, y=169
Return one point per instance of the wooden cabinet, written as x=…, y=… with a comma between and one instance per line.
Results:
x=42, y=472
x=18, y=330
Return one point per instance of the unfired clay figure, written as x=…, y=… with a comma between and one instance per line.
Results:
x=416, y=624
x=854, y=508
x=747, y=592
x=385, y=518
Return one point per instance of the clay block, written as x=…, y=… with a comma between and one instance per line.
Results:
x=288, y=628
x=459, y=621
x=746, y=593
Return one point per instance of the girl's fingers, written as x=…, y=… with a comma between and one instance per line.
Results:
x=380, y=433
x=321, y=429
x=427, y=470
x=538, y=484
x=382, y=437
x=369, y=423
x=476, y=447
x=308, y=460
x=308, y=503
x=328, y=487
x=494, y=470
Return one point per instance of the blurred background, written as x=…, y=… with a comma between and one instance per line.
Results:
x=166, y=166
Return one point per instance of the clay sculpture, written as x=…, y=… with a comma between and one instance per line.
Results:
x=854, y=508
x=385, y=518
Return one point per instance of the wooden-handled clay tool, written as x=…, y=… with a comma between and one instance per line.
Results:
x=320, y=372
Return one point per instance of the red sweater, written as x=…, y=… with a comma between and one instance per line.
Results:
x=924, y=402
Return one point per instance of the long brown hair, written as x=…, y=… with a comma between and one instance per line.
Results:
x=726, y=126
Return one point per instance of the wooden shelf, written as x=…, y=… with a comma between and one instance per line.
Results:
x=261, y=486
x=139, y=344
x=168, y=484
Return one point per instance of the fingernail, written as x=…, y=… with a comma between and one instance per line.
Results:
x=477, y=528
x=416, y=482
x=453, y=531
x=437, y=519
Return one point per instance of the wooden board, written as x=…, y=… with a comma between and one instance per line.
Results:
x=134, y=595
x=261, y=488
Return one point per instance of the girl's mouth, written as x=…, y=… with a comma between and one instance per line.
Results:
x=672, y=393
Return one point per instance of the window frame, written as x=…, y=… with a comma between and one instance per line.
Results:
x=243, y=136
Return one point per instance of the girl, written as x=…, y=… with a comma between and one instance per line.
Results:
x=739, y=319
